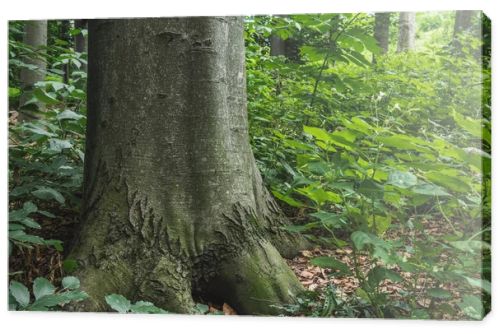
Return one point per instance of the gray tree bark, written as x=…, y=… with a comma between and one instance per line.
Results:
x=174, y=206
x=463, y=23
x=35, y=36
x=278, y=46
x=407, y=27
x=81, y=40
x=381, y=30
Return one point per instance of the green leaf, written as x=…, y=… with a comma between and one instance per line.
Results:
x=331, y=263
x=14, y=92
x=473, y=126
x=44, y=97
x=42, y=287
x=287, y=199
x=201, y=308
x=429, y=189
x=29, y=207
x=472, y=307
x=479, y=283
x=69, y=114
x=378, y=274
x=70, y=282
x=70, y=265
x=146, y=307
x=317, y=133
x=439, y=293
x=402, y=179
x=118, y=303
x=20, y=293
x=47, y=193
x=57, y=145
x=451, y=182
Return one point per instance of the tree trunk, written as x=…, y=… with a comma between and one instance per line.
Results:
x=81, y=40
x=65, y=36
x=463, y=23
x=381, y=31
x=278, y=46
x=35, y=36
x=407, y=26
x=174, y=206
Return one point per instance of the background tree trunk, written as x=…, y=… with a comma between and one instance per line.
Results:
x=174, y=206
x=463, y=23
x=381, y=30
x=278, y=45
x=81, y=40
x=35, y=36
x=407, y=26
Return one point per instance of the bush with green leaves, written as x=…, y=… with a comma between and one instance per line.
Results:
x=377, y=154
x=46, y=296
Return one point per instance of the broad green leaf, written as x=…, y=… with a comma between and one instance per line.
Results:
x=42, y=287
x=378, y=274
x=20, y=293
x=14, y=92
x=317, y=133
x=57, y=145
x=69, y=114
x=429, y=189
x=402, y=179
x=287, y=199
x=118, y=303
x=451, y=182
x=439, y=293
x=29, y=207
x=472, y=307
x=473, y=126
x=47, y=193
x=331, y=263
x=70, y=282
x=479, y=283
x=43, y=96
x=146, y=307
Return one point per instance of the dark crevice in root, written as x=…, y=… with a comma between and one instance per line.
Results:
x=254, y=281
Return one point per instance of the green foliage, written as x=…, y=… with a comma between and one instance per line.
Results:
x=122, y=305
x=374, y=150
x=46, y=296
x=46, y=153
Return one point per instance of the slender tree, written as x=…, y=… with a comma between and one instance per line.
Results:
x=278, y=45
x=407, y=26
x=463, y=23
x=35, y=36
x=174, y=206
x=381, y=30
x=81, y=39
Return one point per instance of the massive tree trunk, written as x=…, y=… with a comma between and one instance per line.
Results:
x=35, y=36
x=407, y=26
x=381, y=30
x=174, y=206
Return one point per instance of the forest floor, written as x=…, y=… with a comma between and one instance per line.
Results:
x=27, y=264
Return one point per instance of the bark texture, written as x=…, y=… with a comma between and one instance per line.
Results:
x=278, y=46
x=463, y=24
x=381, y=31
x=81, y=40
x=174, y=206
x=35, y=36
x=407, y=27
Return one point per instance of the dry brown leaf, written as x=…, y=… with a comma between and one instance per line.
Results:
x=228, y=310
